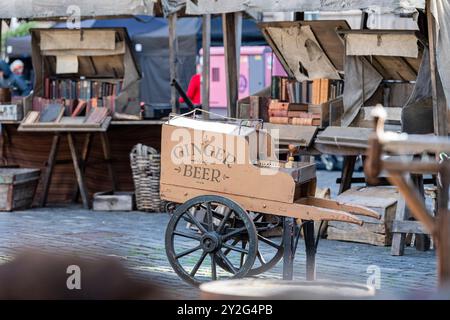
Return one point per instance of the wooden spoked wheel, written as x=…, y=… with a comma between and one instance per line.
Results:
x=270, y=242
x=201, y=240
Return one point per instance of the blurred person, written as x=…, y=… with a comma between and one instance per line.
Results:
x=16, y=82
x=41, y=276
x=17, y=67
x=194, y=88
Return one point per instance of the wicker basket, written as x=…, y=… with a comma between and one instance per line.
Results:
x=146, y=168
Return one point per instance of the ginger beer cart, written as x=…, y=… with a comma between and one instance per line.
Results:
x=241, y=210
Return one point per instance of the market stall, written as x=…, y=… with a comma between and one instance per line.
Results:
x=63, y=73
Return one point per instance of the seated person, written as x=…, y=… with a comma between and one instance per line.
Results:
x=13, y=80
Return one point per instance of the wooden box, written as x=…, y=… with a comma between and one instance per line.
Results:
x=113, y=201
x=11, y=112
x=254, y=107
x=17, y=188
x=324, y=110
x=375, y=232
x=185, y=173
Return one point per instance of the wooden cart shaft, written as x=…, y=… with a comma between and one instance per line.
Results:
x=308, y=208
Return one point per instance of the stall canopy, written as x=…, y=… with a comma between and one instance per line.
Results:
x=32, y=9
x=223, y=6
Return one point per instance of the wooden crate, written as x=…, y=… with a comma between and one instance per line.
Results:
x=375, y=232
x=324, y=110
x=113, y=201
x=17, y=188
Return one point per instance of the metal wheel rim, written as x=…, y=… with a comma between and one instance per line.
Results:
x=266, y=262
x=207, y=240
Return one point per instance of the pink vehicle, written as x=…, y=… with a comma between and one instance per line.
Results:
x=255, y=73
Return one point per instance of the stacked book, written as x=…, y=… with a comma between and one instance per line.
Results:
x=308, y=92
x=73, y=93
x=292, y=113
x=80, y=88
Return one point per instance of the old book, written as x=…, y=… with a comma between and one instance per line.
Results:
x=316, y=122
x=278, y=113
x=316, y=91
x=279, y=120
x=298, y=107
x=301, y=114
x=275, y=87
x=31, y=117
x=290, y=91
x=283, y=89
x=309, y=91
x=277, y=105
x=97, y=115
x=302, y=121
x=324, y=90
x=80, y=107
x=52, y=113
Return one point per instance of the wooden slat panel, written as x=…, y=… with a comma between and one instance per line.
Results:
x=31, y=150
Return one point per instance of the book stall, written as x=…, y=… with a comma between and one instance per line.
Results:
x=81, y=121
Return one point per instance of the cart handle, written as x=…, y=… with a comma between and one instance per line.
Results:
x=193, y=113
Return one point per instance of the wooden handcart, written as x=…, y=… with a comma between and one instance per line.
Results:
x=241, y=209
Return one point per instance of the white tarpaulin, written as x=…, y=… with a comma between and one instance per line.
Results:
x=396, y=45
x=441, y=13
x=33, y=9
x=361, y=82
x=223, y=6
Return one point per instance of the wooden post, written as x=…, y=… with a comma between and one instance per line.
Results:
x=173, y=54
x=107, y=156
x=206, y=44
x=49, y=170
x=230, y=21
x=347, y=173
x=443, y=229
x=440, y=128
x=439, y=101
x=84, y=158
x=289, y=225
x=78, y=173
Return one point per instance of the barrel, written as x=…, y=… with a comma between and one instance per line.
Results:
x=264, y=289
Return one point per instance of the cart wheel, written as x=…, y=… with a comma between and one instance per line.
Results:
x=198, y=230
x=270, y=243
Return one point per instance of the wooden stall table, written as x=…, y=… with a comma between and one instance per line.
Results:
x=78, y=159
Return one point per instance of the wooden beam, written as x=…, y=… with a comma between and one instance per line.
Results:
x=231, y=59
x=49, y=170
x=173, y=54
x=78, y=173
x=439, y=101
x=414, y=201
x=206, y=70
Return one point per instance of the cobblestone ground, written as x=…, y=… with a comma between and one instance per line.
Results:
x=138, y=239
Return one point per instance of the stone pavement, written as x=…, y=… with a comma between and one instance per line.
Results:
x=138, y=239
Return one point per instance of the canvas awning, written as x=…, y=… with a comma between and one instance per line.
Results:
x=32, y=9
x=224, y=6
